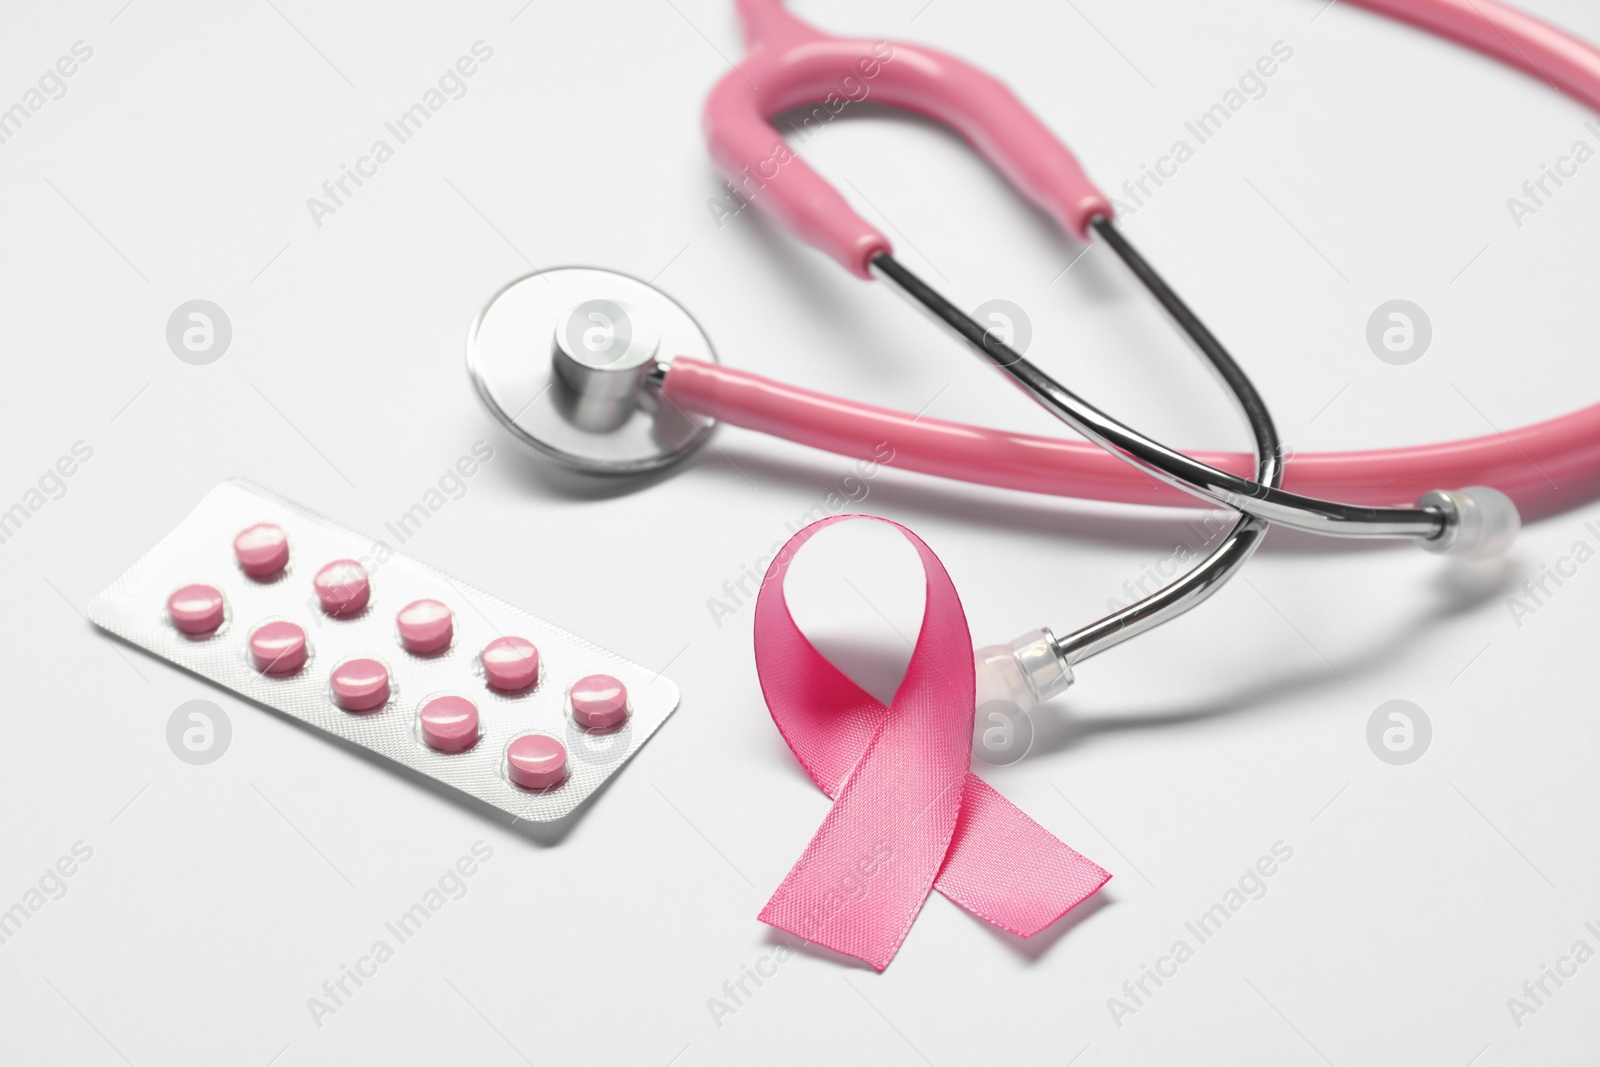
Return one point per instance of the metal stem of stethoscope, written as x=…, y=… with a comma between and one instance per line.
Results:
x=1322, y=517
x=1200, y=581
x=1260, y=502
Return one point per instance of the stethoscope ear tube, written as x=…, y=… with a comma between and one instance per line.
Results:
x=791, y=64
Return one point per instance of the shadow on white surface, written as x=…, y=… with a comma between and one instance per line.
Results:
x=1460, y=593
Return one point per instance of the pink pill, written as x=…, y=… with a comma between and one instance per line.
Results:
x=196, y=609
x=510, y=663
x=278, y=648
x=599, y=702
x=449, y=723
x=425, y=626
x=536, y=761
x=360, y=684
x=343, y=587
x=262, y=550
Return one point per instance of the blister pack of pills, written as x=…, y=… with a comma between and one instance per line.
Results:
x=339, y=631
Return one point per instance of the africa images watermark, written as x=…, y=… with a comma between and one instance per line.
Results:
x=851, y=90
x=852, y=488
x=50, y=486
x=1251, y=85
x=51, y=85
x=1251, y=885
x=50, y=886
x=1538, y=591
x=1199, y=535
x=1537, y=992
x=338, y=991
x=451, y=85
x=451, y=485
x=851, y=887
x=1538, y=191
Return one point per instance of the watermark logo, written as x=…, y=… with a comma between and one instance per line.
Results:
x=1199, y=536
x=199, y=332
x=1002, y=733
x=851, y=887
x=1251, y=85
x=599, y=748
x=51, y=85
x=736, y=992
x=852, y=488
x=1251, y=885
x=1552, y=577
x=599, y=332
x=451, y=885
x=52, y=485
x=198, y=732
x=452, y=485
x=1538, y=191
x=338, y=191
x=1538, y=991
x=1004, y=323
x=1399, y=332
x=745, y=185
x=1398, y=732
x=50, y=886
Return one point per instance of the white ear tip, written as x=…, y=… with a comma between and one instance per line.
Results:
x=1481, y=522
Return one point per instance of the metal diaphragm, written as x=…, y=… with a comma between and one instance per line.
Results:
x=562, y=358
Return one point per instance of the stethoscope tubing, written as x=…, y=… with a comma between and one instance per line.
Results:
x=1511, y=36
x=1531, y=464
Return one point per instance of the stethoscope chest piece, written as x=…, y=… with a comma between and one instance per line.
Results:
x=562, y=358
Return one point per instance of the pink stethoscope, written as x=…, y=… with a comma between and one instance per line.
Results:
x=604, y=373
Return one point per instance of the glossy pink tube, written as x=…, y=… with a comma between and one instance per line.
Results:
x=1527, y=463
x=791, y=64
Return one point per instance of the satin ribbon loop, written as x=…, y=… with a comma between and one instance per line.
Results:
x=908, y=815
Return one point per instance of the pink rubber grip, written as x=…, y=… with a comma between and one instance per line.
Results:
x=1527, y=463
x=791, y=64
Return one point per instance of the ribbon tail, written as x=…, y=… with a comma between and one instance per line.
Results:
x=1008, y=870
x=863, y=878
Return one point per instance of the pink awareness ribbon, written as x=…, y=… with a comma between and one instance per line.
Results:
x=908, y=814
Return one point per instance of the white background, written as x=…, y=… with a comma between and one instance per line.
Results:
x=219, y=898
